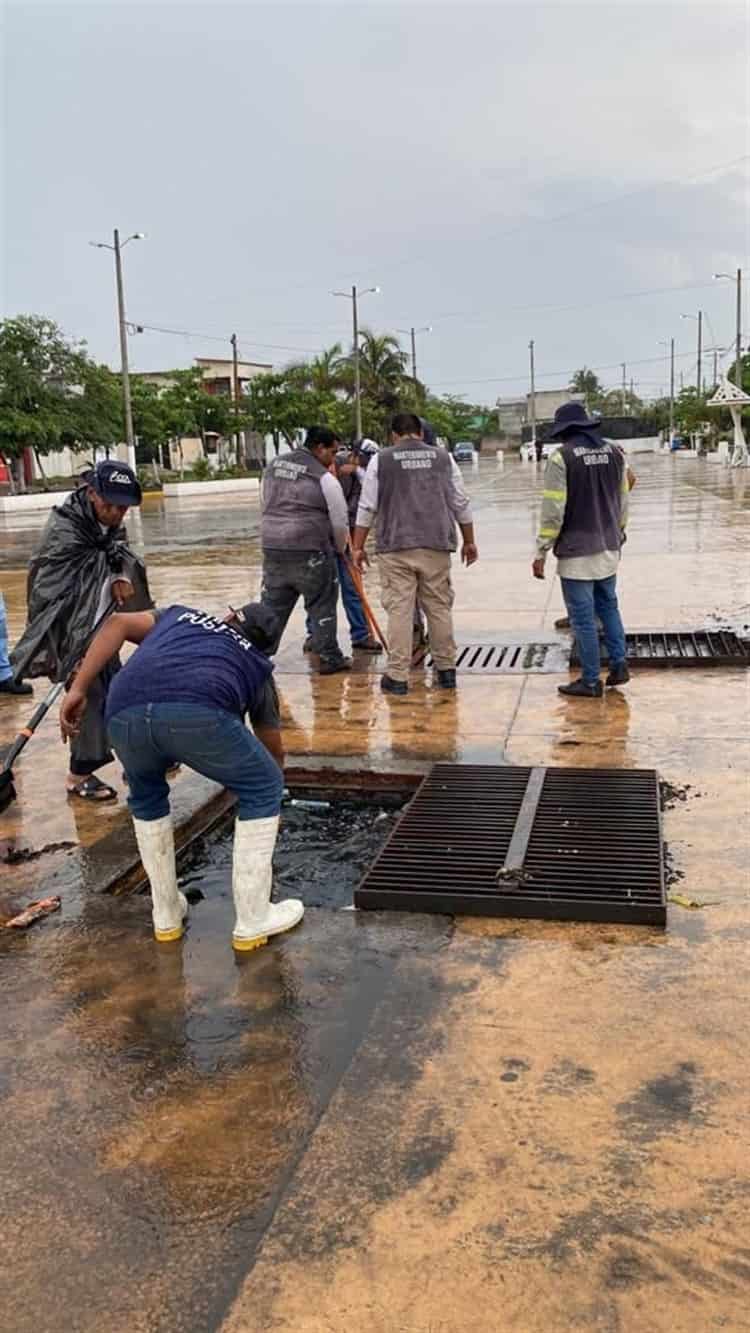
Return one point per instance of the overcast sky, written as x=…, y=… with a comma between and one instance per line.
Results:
x=502, y=171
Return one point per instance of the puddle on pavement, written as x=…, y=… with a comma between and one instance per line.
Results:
x=185, y=1081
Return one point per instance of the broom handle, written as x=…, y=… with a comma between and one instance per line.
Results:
x=51, y=697
x=358, y=582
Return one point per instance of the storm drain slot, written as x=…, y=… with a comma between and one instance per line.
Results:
x=499, y=658
x=688, y=648
x=563, y=844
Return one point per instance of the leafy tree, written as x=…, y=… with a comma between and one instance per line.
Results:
x=41, y=372
x=452, y=418
x=281, y=404
x=585, y=381
x=96, y=417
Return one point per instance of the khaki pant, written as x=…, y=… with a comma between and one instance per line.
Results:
x=403, y=575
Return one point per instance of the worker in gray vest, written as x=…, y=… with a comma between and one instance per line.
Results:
x=416, y=493
x=584, y=515
x=305, y=523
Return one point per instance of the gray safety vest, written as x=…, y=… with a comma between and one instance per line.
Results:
x=414, y=498
x=295, y=513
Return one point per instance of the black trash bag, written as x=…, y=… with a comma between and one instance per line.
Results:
x=72, y=564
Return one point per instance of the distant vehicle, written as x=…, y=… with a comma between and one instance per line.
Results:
x=463, y=452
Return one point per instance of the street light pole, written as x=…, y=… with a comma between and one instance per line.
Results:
x=738, y=330
x=738, y=337
x=118, y=247
x=124, y=367
x=235, y=397
x=357, y=381
x=699, y=368
x=671, y=391
x=533, y=392
x=624, y=390
x=353, y=296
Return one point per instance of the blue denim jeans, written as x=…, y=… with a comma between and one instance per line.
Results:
x=150, y=738
x=358, y=627
x=6, y=670
x=585, y=599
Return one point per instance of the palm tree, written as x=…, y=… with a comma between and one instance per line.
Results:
x=325, y=373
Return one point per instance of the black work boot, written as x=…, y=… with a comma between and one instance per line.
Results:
x=368, y=645
x=618, y=675
x=446, y=678
x=11, y=686
x=338, y=664
x=580, y=690
x=390, y=686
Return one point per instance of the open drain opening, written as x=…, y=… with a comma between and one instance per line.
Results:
x=325, y=846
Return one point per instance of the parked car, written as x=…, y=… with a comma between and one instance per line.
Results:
x=463, y=452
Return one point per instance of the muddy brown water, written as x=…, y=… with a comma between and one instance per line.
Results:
x=320, y=857
x=166, y=1095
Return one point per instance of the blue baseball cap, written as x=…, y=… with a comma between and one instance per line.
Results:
x=116, y=483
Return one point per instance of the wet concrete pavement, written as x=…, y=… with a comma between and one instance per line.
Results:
x=390, y=1124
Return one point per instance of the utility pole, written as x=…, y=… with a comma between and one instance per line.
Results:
x=117, y=247
x=624, y=390
x=412, y=332
x=353, y=296
x=738, y=338
x=700, y=351
x=716, y=367
x=671, y=391
x=533, y=392
x=738, y=331
x=235, y=397
x=124, y=367
x=357, y=384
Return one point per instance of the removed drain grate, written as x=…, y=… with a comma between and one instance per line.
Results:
x=570, y=845
x=499, y=659
x=681, y=647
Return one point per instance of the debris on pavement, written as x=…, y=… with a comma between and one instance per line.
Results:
x=34, y=912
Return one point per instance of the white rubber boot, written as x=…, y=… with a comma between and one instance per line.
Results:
x=155, y=840
x=257, y=916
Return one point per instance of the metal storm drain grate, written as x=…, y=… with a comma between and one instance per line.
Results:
x=678, y=647
x=498, y=659
x=565, y=844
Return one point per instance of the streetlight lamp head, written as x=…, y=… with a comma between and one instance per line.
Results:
x=138, y=236
x=376, y=290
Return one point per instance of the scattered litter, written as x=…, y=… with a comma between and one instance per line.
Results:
x=682, y=900
x=15, y=856
x=34, y=912
x=670, y=793
x=310, y=805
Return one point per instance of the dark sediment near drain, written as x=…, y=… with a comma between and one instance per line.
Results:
x=320, y=857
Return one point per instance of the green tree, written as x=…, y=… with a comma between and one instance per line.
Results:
x=97, y=418
x=41, y=372
x=585, y=381
x=281, y=404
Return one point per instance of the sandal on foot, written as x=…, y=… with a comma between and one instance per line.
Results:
x=90, y=788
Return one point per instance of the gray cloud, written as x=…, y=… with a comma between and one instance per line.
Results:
x=459, y=155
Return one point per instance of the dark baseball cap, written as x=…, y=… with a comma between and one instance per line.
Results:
x=258, y=623
x=116, y=483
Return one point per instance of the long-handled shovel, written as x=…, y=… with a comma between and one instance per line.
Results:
x=7, y=788
x=358, y=582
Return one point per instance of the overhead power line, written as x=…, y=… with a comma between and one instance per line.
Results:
x=215, y=337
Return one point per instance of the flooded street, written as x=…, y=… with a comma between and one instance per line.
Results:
x=383, y=1123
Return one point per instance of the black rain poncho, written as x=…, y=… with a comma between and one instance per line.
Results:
x=74, y=561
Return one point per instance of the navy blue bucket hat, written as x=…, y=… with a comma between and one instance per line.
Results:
x=571, y=416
